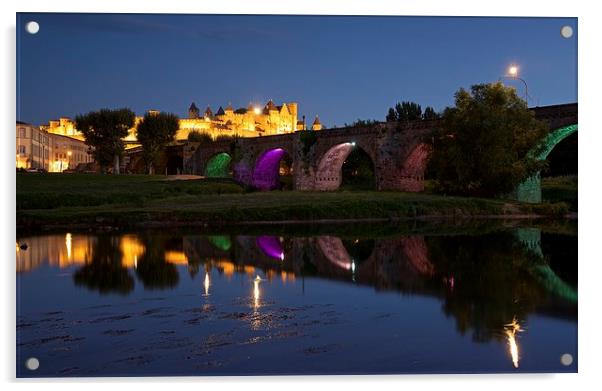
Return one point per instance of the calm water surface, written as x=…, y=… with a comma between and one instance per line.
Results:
x=186, y=303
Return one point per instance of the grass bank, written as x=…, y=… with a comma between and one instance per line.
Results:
x=560, y=189
x=46, y=200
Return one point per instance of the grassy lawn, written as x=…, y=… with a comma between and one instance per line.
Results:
x=560, y=189
x=66, y=199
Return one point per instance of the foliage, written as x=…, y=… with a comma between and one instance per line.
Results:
x=363, y=122
x=225, y=137
x=103, y=131
x=308, y=139
x=199, y=137
x=430, y=114
x=410, y=111
x=483, y=147
x=404, y=111
x=154, y=132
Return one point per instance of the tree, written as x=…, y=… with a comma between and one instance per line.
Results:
x=430, y=114
x=391, y=115
x=199, y=137
x=483, y=147
x=103, y=131
x=408, y=111
x=155, y=131
x=404, y=111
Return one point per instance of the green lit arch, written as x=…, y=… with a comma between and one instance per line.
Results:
x=218, y=166
x=530, y=189
x=221, y=242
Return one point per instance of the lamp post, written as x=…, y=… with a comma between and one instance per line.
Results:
x=513, y=74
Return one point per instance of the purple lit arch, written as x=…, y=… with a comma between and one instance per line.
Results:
x=270, y=245
x=266, y=175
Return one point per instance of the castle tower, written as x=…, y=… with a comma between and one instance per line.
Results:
x=317, y=125
x=292, y=108
x=229, y=109
x=208, y=112
x=193, y=111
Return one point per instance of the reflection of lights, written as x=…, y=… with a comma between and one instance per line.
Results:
x=256, y=282
x=176, y=257
x=511, y=330
x=131, y=248
x=352, y=266
x=206, y=284
x=68, y=245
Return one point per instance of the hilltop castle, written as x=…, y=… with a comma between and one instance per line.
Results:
x=252, y=121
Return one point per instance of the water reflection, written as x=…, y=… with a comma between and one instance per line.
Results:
x=206, y=283
x=511, y=330
x=482, y=281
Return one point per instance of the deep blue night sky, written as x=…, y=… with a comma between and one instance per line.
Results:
x=340, y=68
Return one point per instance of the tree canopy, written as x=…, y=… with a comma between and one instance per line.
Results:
x=154, y=132
x=484, y=144
x=410, y=111
x=199, y=137
x=104, y=130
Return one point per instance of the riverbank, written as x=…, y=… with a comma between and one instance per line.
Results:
x=47, y=200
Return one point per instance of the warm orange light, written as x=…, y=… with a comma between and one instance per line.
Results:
x=257, y=110
x=131, y=248
x=68, y=153
x=176, y=257
x=511, y=330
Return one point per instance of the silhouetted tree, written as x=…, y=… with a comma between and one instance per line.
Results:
x=105, y=272
x=430, y=114
x=104, y=131
x=483, y=147
x=408, y=111
x=391, y=115
x=199, y=137
x=154, y=132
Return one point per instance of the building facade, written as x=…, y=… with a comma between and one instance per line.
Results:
x=39, y=149
x=252, y=121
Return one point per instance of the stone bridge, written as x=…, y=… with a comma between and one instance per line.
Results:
x=399, y=153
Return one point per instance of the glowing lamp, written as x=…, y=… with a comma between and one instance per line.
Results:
x=257, y=110
x=513, y=71
x=353, y=143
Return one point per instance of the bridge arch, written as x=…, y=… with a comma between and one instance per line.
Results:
x=329, y=174
x=218, y=166
x=271, y=246
x=414, y=167
x=334, y=250
x=530, y=189
x=266, y=173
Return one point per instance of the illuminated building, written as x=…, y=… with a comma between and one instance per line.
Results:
x=33, y=147
x=55, y=250
x=37, y=148
x=252, y=121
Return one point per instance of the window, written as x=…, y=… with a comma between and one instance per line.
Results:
x=22, y=132
x=22, y=150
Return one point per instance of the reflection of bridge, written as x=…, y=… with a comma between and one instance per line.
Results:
x=399, y=154
x=399, y=262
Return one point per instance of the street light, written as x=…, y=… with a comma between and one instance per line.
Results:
x=513, y=74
